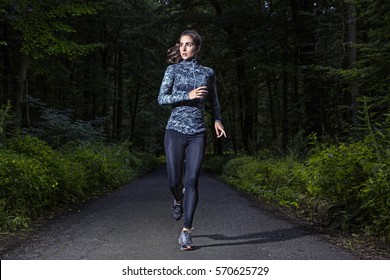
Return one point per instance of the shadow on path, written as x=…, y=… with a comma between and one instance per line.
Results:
x=255, y=238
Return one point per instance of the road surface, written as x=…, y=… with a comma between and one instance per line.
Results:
x=134, y=223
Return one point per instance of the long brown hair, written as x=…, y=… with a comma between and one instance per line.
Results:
x=173, y=53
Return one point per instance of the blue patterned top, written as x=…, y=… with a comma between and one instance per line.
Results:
x=187, y=116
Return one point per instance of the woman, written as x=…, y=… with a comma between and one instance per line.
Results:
x=187, y=85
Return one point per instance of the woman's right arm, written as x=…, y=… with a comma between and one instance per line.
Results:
x=166, y=95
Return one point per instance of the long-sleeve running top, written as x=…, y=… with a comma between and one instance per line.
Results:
x=187, y=116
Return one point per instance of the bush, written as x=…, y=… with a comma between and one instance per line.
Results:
x=6, y=116
x=344, y=185
x=283, y=182
x=103, y=170
x=58, y=127
x=70, y=175
x=148, y=162
x=216, y=163
x=232, y=167
x=35, y=178
x=72, y=181
x=375, y=197
x=273, y=180
x=32, y=147
x=27, y=188
x=108, y=166
x=350, y=178
x=338, y=172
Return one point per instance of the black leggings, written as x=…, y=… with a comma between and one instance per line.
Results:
x=184, y=160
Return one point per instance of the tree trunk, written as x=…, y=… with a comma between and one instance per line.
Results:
x=120, y=96
x=271, y=106
x=107, y=93
x=115, y=99
x=231, y=113
x=21, y=88
x=353, y=57
x=5, y=65
x=133, y=110
x=284, y=113
x=87, y=92
x=305, y=26
x=246, y=104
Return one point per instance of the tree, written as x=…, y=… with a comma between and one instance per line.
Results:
x=43, y=31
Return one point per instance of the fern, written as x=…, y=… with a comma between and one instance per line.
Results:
x=5, y=116
x=375, y=126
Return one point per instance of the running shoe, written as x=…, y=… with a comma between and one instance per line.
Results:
x=177, y=210
x=185, y=240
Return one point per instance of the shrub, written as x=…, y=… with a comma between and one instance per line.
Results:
x=6, y=116
x=107, y=166
x=32, y=147
x=337, y=173
x=148, y=162
x=216, y=163
x=283, y=182
x=34, y=178
x=343, y=185
x=72, y=182
x=70, y=175
x=375, y=199
x=58, y=127
x=27, y=188
x=273, y=179
x=232, y=167
x=353, y=182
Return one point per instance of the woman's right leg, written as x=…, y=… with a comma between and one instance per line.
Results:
x=194, y=157
x=174, y=144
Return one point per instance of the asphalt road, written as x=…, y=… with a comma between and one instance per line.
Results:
x=134, y=223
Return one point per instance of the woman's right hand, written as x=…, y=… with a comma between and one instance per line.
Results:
x=199, y=92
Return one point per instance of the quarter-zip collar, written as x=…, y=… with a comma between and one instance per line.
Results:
x=192, y=62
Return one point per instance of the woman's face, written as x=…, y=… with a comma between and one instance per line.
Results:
x=187, y=47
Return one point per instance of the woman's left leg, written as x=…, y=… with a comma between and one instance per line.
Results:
x=194, y=157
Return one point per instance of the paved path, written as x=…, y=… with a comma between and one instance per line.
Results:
x=134, y=223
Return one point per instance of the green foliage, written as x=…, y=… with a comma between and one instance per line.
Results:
x=31, y=147
x=35, y=179
x=70, y=175
x=57, y=127
x=27, y=187
x=239, y=168
x=290, y=61
x=148, y=161
x=44, y=27
x=375, y=126
x=72, y=181
x=6, y=116
x=274, y=180
x=344, y=186
x=376, y=199
x=106, y=166
x=216, y=163
x=337, y=172
x=351, y=179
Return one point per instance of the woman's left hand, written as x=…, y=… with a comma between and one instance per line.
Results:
x=219, y=130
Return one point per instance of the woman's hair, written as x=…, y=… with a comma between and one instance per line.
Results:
x=173, y=53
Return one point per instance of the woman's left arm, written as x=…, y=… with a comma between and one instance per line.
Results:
x=214, y=103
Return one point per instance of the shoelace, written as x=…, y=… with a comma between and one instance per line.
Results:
x=188, y=238
x=176, y=206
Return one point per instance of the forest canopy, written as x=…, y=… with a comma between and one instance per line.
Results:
x=286, y=69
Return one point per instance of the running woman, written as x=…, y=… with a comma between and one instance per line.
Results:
x=187, y=86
